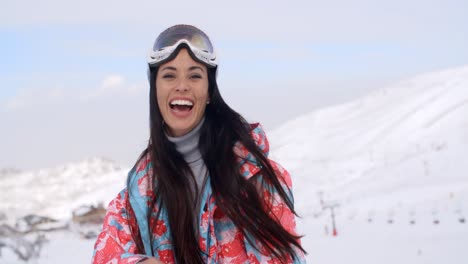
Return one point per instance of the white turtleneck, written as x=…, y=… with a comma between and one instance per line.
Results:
x=187, y=145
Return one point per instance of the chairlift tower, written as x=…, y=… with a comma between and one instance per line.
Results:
x=331, y=206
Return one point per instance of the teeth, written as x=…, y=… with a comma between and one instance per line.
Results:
x=181, y=102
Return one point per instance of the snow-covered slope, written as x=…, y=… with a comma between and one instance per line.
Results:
x=57, y=191
x=396, y=164
x=400, y=146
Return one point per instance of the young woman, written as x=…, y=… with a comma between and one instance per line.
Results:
x=204, y=190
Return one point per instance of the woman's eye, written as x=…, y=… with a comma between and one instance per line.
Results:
x=168, y=76
x=196, y=76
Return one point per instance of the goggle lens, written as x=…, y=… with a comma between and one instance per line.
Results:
x=172, y=35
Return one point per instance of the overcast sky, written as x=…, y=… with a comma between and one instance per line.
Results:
x=73, y=73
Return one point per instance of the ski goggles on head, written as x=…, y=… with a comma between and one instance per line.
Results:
x=197, y=42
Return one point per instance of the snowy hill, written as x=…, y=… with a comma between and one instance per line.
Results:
x=395, y=162
x=402, y=145
x=55, y=192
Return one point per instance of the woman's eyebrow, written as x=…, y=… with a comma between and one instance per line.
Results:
x=196, y=67
x=169, y=68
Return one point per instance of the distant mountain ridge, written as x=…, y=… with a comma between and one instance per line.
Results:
x=56, y=191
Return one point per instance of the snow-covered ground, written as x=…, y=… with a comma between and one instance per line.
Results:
x=361, y=242
x=393, y=163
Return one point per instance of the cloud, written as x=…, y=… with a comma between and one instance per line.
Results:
x=35, y=97
x=334, y=20
x=115, y=85
x=110, y=86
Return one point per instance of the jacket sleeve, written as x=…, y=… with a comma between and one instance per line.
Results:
x=278, y=209
x=115, y=243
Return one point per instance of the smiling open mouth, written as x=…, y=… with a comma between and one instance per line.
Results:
x=181, y=105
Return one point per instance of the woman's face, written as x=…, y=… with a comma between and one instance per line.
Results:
x=182, y=93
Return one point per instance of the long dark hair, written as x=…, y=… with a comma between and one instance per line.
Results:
x=237, y=197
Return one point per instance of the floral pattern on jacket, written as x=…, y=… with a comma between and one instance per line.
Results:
x=219, y=239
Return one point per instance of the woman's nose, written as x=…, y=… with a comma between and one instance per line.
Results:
x=182, y=85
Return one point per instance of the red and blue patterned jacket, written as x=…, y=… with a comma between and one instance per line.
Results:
x=219, y=238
